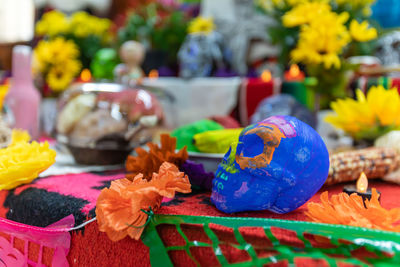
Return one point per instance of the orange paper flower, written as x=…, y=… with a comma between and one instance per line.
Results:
x=149, y=162
x=350, y=210
x=119, y=209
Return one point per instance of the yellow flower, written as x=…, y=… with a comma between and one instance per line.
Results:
x=19, y=136
x=62, y=49
x=361, y=32
x=52, y=23
x=54, y=52
x=58, y=78
x=82, y=25
x=305, y=13
x=322, y=40
x=22, y=162
x=369, y=116
x=3, y=92
x=42, y=55
x=296, y=2
x=201, y=25
x=57, y=60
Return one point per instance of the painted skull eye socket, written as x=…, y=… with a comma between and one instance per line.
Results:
x=250, y=145
x=228, y=154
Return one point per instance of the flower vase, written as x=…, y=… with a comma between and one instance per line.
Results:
x=48, y=116
x=327, y=85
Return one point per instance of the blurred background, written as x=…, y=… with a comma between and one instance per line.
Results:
x=18, y=17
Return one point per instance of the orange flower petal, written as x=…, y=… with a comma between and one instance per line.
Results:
x=120, y=208
x=169, y=180
x=350, y=210
x=149, y=162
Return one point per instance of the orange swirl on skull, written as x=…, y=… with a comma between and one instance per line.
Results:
x=271, y=136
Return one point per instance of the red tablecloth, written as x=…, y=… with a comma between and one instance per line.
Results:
x=49, y=199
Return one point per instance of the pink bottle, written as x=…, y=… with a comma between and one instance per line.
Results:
x=23, y=99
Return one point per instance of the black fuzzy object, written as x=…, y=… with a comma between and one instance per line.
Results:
x=29, y=208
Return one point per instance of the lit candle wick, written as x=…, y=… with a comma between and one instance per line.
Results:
x=362, y=183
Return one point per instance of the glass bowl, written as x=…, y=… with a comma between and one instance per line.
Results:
x=101, y=123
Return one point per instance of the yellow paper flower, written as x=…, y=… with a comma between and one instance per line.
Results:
x=52, y=23
x=19, y=136
x=22, y=162
x=322, y=40
x=369, y=116
x=361, y=32
x=201, y=25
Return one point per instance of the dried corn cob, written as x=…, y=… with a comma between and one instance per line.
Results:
x=374, y=162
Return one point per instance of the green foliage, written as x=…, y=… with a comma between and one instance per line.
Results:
x=88, y=46
x=170, y=37
x=148, y=26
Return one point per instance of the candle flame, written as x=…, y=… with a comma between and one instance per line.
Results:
x=86, y=76
x=294, y=70
x=153, y=74
x=266, y=76
x=362, y=183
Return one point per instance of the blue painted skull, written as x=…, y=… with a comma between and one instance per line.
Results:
x=277, y=165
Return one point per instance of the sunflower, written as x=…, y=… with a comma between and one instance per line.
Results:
x=361, y=32
x=42, y=56
x=57, y=60
x=54, y=51
x=72, y=66
x=367, y=117
x=201, y=25
x=62, y=49
x=58, y=78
